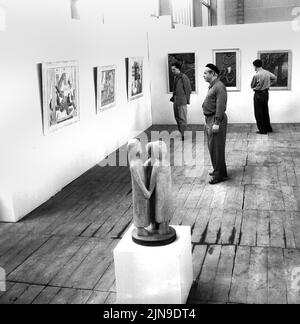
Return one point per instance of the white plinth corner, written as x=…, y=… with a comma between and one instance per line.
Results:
x=154, y=275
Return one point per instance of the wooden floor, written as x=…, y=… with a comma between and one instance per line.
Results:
x=245, y=232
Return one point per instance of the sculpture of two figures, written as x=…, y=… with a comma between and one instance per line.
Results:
x=152, y=194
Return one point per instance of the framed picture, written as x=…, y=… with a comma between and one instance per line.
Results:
x=60, y=94
x=279, y=63
x=135, y=71
x=228, y=61
x=188, y=67
x=106, y=87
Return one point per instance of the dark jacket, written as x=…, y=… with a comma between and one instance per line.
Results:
x=182, y=90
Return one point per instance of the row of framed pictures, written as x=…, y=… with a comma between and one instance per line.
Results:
x=61, y=90
x=229, y=63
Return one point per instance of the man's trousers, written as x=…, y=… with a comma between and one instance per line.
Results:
x=216, y=146
x=180, y=113
x=261, y=110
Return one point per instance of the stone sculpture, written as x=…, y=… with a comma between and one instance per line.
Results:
x=152, y=194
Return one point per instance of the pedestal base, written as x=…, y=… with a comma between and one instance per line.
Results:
x=154, y=275
x=155, y=239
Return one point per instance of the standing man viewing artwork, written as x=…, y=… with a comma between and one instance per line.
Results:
x=181, y=97
x=214, y=108
x=261, y=83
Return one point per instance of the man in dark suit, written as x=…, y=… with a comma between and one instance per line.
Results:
x=214, y=107
x=181, y=97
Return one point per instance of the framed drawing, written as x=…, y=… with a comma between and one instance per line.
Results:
x=60, y=94
x=106, y=87
x=279, y=63
x=188, y=67
x=135, y=71
x=228, y=62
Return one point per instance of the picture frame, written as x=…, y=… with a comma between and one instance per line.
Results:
x=106, y=87
x=189, y=68
x=60, y=86
x=279, y=62
x=135, y=77
x=229, y=63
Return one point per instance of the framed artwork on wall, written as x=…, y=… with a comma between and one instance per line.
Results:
x=229, y=63
x=60, y=94
x=106, y=87
x=188, y=67
x=135, y=74
x=279, y=63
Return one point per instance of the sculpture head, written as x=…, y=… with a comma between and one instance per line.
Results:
x=134, y=149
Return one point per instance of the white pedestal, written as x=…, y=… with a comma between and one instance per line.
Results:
x=154, y=275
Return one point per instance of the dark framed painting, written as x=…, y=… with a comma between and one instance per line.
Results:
x=229, y=63
x=135, y=77
x=60, y=94
x=188, y=67
x=280, y=64
x=106, y=87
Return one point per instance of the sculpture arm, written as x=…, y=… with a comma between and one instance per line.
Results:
x=137, y=177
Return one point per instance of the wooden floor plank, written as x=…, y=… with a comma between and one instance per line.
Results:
x=277, y=290
x=240, y=278
x=107, y=280
x=67, y=270
x=228, y=230
x=207, y=277
x=223, y=278
x=46, y=295
x=249, y=226
x=292, y=270
x=295, y=220
x=250, y=198
x=98, y=298
x=290, y=202
x=214, y=226
x=111, y=298
x=201, y=225
x=289, y=230
x=63, y=296
x=12, y=295
x=190, y=217
x=28, y=296
x=263, y=229
x=277, y=229
x=199, y=253
x=80, y=297
x=62, y=257
x=258, y=277
x=92, y=268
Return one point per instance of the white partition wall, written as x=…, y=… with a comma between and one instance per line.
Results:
x=284, y=105
x=33, y=167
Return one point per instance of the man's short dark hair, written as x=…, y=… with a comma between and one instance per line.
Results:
x=214, y=68
x=258, y=63
x=177, y=65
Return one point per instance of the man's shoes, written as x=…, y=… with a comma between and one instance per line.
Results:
x=215, y=181
x=211, y=173
x=262, y=133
